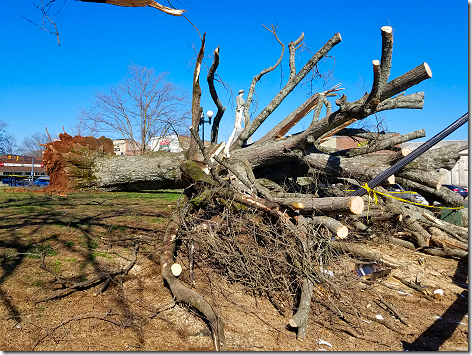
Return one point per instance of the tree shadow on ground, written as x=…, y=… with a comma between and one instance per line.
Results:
x=443, y=328
x=35, y=213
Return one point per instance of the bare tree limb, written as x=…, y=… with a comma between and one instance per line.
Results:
x=214, y=96
x=291, y=84
x=196, y=95
x=382, y=144
x=140, y=3
x=258, y=77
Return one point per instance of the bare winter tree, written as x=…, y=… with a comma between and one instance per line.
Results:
x=7, y=140
x=145, y=105
x=34, y=145
x=84, y=127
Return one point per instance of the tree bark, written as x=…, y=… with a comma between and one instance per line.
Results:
x=337, y=228
x=211, y=85
x=439, y=236
x=382, y=144
x=422, y=236
x=135, y=172
x=300, y=319
x=196, y=95
x=331, y=205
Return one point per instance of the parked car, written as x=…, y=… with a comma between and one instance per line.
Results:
x=464, y=192
x=42, y=181
x=17, y=181
x=400, y=192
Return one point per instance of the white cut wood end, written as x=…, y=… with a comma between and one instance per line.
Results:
x=356, y=205
x=292, y=323
x=428, y=69
x=405, y=152
x=176, y=269
x=342, y=232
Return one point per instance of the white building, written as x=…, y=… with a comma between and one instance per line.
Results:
x=169, y=143
x=459, y=175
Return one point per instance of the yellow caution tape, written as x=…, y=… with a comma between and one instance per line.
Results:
x=375, y=192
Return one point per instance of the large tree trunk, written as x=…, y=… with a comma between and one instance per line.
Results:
x=87, y=163
x=78, y=163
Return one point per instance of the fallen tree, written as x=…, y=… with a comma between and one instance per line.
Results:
x=266, y=215
x=85, y=162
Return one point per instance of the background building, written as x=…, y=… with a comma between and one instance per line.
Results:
x=20, y=165
x=459, y=175
x=125, y=147
x=169, y=143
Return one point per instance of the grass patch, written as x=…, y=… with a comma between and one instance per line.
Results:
x=37, y=283
x=94, y=255
x=89, y=244
x=71, y=231
x=159, y=220
x=36, y=251
x=115, y=227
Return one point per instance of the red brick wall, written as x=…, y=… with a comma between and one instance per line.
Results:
x=348, y=142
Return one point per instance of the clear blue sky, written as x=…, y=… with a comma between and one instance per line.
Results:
x=44, y=85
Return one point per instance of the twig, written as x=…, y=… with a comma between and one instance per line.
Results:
x=191, y=249
x=390, y=307
x=88, y=283
x=83, y=316
x=349, y=331
x=387, y=324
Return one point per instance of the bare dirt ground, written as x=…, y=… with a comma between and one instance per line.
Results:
x=83, y=234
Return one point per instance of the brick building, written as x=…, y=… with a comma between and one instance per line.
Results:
x=19, y=165
x=346, y=142
x=126, y=147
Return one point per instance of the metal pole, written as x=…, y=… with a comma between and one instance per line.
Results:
x=413, y=155
x=203, y=131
